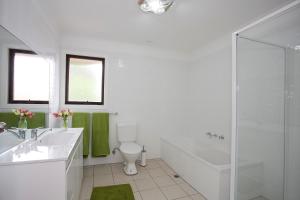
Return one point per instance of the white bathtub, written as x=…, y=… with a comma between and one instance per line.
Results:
x=206, y=169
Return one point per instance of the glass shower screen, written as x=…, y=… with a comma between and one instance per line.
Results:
x=260, y=124
x=267, y=149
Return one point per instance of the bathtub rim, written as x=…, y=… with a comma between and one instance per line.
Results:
x=219, y=168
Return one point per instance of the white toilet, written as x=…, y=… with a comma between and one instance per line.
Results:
x=129, y=148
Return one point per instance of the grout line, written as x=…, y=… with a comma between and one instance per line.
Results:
x=93, y=176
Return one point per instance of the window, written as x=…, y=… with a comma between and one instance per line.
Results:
x=84, y=80
x=28, y=78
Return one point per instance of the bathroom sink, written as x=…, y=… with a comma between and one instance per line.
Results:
x=57, y=139
x=56, y=144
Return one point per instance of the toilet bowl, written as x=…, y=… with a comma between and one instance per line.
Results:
x=129, y=149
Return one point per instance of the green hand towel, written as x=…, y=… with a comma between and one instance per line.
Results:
x=9, y=118
x=82, y=120
x=100, y=134
x=38, y=120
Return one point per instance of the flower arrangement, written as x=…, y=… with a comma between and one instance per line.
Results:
x=64, y=114
x=23, y=114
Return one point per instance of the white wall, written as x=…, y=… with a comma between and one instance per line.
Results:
x=209, y=94
x=141, y=84
x=293, y=126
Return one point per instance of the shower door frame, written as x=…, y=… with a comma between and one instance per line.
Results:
x=235, y=89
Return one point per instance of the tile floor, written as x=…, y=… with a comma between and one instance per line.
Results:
x=154, y=182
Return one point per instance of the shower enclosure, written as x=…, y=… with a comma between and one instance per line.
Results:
x=266, y=108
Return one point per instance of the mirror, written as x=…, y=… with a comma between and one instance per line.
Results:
x=24, y=90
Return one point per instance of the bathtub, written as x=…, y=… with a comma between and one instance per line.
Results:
x=206, y=169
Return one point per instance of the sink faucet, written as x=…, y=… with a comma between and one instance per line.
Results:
x=34, y=132
x=2, y=126
x=19, y=133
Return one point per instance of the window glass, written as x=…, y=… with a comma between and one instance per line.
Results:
x=84, y=80
x=29, y=77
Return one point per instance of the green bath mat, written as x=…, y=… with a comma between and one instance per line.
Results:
x=113, y=192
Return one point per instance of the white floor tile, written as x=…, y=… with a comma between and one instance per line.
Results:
x=162, y=163
x=86, y=188
x=154, y=194
x=88, y=171
x=141, y=175
x=187, y=188
x=100, y=170
x=162, y=181
x=145, y=184
x=198, y=197
x=133, y=186
x=185, y=198
x=103, y=180
x=168, y=170
x=152, y=164
x=156, y=172
x=122, y=178
x=173, y=192
x=141, y=168
x=117, y=168
x=177, y=180
x=137, y=196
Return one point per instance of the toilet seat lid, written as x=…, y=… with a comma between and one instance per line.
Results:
x=131, y=148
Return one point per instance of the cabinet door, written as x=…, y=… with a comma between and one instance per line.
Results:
x=79, y=169
x=71, y=180
x=74, y=174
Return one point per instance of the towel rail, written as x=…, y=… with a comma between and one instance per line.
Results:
x=113, y=113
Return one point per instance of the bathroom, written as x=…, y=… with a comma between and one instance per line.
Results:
x=189, y=86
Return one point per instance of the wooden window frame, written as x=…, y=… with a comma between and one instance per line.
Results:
x=11, y=63
x=68, y=58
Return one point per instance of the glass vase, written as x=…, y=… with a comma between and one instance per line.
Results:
x=22, y=123
x=65, y=123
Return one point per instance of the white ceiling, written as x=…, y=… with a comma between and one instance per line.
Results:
x=185, y=27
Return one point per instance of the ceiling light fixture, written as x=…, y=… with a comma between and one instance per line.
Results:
x=155, y=6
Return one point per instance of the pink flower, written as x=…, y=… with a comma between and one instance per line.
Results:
x=22, y=112
x=63, y=113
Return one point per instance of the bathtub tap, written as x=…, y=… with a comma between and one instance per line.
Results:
x=211, y=135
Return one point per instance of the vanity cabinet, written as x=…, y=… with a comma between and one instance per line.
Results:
x=57, y=177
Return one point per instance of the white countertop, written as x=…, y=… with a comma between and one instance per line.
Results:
x=54, y=145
